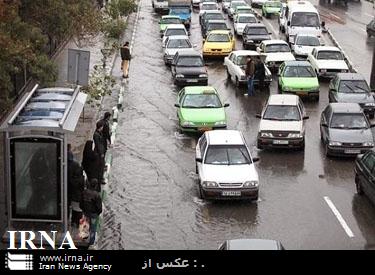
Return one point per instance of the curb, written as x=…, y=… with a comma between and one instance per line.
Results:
x=336, y=43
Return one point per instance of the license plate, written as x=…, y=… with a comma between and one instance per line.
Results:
x=280, y=142
x=203, y=129
x=192, y=80
x=351, y=151
x=231, y=193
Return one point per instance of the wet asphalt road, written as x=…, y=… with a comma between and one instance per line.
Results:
x=153, y=202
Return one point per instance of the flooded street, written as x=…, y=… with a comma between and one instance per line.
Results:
x=153, y=201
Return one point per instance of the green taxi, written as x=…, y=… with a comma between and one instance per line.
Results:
x=167, y=20
x=200, y=109
x=271, y=7
x=298, y=77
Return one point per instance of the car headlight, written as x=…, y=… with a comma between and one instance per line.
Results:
x=249, y=41
x=203, y=75
x=334, y=143
x=209, y=184
x=250, y=184
x=295, y=135
x=180, y=76
x=370, y=104
x=368, y=144
x=265, y=134
x=286, y=88
x=220, y=123
x=188, y=123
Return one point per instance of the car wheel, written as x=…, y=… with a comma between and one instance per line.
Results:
x=228, y=74
x=200, y=192
x=358, y=185
x=258, y=145
x=237, y=82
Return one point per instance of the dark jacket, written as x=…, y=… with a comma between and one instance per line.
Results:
x=100, y=144
x=250, y=68
x=90, y=161
x=76, y=181
x=91, y=203
x=125, y=53
x=106, y=133
x=259, y=70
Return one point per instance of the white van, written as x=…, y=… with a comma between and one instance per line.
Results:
x=301, y=16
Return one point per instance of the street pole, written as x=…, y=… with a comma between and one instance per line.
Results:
x=372, y=77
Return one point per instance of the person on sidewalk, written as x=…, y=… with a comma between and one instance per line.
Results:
x=106, y=130
x=260, y=73
x=91, y=205
x=125, y=56
x=90, y=161
x=100, y=148
x=250, y=70
x=76, y=185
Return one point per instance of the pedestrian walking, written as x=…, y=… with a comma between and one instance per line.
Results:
x=90, y=161
x=100, y=149
x=125, y=56
x=91, y=205
x=250, y=70
x=260, y=73
x=76, y=185
x=106, y=130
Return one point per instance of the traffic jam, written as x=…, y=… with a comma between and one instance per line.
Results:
x=273, y=128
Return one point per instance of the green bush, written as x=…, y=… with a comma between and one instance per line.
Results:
x=113, y=28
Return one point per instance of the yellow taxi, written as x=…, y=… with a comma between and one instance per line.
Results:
x=218, y=43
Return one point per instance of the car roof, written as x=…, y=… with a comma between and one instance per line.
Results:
x=224, y=137
x=253, y=244
x=188, y=52
x=256, y=25
x=327, y=48
x=346, y=108
x=301, y=5
x=246, y=52
x=274, y=41
x=297, y=63
x=216, y=21
x=199, y=89
x=283, y=100
x=175, y=26
x=350, y=76
x=246, y=15
x=220, y=31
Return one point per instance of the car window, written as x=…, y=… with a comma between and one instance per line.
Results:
x=301, y=106
x=231, y=57
x=348, y=121
x=369, y=161
x=171, y=32
x=307, y=41
x=274, y=48
x=190, y=61
x=201, y=101
x=181, y=95
x=282, y=112
x=218, y=37
x=177, y=11
x=179, y=44
x=202, y=144
x=217, y=26
x=247, y=19
x=209, y=6
x=330, y=55
x=353, y=86
x=256, y=31
x=227, y=155
x=299, y=71
x=305, y=19
x=170, y=21
x=241, y=60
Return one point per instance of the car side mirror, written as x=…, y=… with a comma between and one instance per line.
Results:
x=198, y=159
x=226, y=105
x=306, y=117
x=177, y=105
x=323, y=24
x=258, y=116
x=256, y=159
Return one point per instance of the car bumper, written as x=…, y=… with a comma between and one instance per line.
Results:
x=255, y=81
x=191, y=81
x=329, y=74
x=230, y=193
x=215, y=53
x=201, y=129
x=281, y=143
x=346, y=151
x=314, y=93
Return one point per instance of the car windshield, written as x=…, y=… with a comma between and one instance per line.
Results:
x=247, y=19
x=242, y=59
x=348, y=121
x=307, y=41
x=257, y=31
x=276, y=48
x=305, y=19
x=201, y=101
x=178, y=43
x=353, y=86
x=299, y=71
x=227, y=155
x=282, y=112
x=273, y=4
x=214, y=16
x=237, y=4
x=171, y=32
x=218, y=37
x=209, y=6
x=242, y=11
x=190, y=61
x=334, y=55
x=170, y=21
x=217, y=26
x=179, y=11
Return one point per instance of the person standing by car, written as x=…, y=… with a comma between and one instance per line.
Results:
x=100, y=148
x=260, y=73
x=125, y=56
x=250, y=70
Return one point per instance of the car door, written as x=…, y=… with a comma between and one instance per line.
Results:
x=368, y=179
x=180, y=98
x=231, y=65
x=325, y=120
x=173, y=65
x=333, y=89
x=200, y=154
x=280, y=73
x=310, y=58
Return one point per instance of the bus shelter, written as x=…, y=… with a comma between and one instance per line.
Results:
x=35, y=136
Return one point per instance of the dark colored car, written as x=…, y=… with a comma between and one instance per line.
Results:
x=251, y=244
x=370, y=28
x=345, y=130
x=352, y=88
x=365, y=175
x=188, y=68
x=214, y=25
x=253, y=34
x=211, y=15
